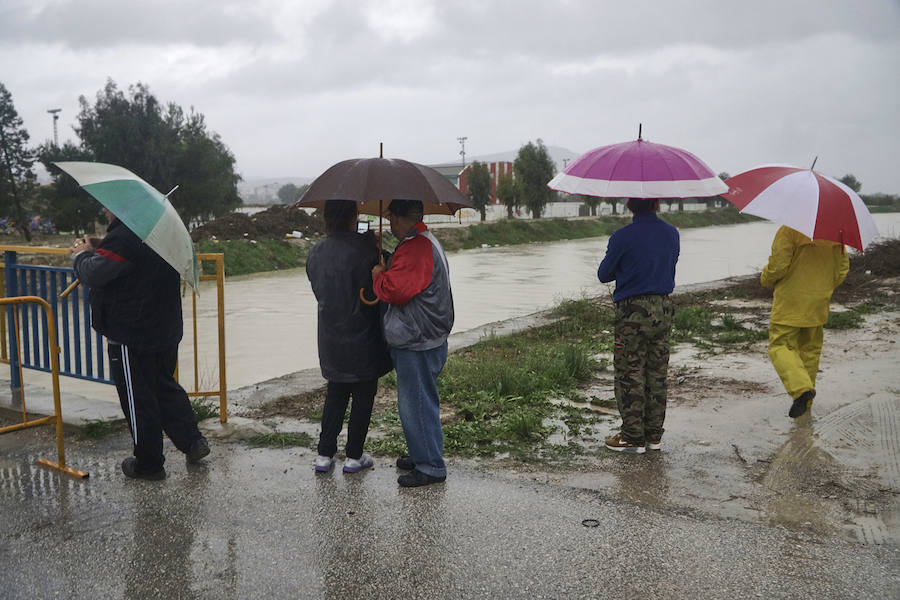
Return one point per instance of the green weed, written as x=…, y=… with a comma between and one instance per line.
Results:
x=282, y=440
x=691, y=321
x=849, y=319
x=97, y=430
x=204, y=409
x=524, y=425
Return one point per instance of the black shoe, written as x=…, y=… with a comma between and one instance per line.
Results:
x=802, y=403
x=198, y=450
x=129, y=467
x=405, y=463
x=416, y=478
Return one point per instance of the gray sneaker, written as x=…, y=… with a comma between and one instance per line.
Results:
x=354, y=465
x=324, y=464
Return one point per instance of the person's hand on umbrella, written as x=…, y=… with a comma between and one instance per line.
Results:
x=379, y=267
x=82, y=244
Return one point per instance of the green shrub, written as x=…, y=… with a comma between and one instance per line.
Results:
x=204, y=409
x=849, y=319
x=282, y=440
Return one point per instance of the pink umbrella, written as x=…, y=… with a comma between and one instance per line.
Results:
x=639, y=169
x=816, y=205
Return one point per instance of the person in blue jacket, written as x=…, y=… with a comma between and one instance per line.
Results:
x=641, y=258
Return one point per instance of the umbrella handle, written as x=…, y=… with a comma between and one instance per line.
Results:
x=362, y=297
x=69, y=289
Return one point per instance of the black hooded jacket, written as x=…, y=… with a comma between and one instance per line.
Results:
x=135, y=294
x=351, y=344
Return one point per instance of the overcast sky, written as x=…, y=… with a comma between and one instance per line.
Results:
x=293, y=86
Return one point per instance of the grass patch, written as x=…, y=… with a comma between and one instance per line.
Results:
x=496, y=394
x=848, y=319
x=710, y=328
x=204, y=409
x=282, y=440
x=244, y=256
x=690, y=322
x=97, y=430
x=508, y=232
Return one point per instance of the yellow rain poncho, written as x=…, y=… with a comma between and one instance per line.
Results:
x=804, y=273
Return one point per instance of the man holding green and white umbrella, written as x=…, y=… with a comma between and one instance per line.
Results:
x=136, y=304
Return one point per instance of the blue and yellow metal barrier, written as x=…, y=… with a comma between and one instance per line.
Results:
x=53, y=355
x=83, y=349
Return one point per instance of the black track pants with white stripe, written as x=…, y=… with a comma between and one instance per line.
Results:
x=152, y=402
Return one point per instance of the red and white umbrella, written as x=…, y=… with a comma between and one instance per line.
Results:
x=816, y=205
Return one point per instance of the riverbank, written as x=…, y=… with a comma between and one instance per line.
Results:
x=514, y=396
x=256, y=254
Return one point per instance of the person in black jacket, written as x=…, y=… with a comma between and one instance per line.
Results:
x=352, y=351
x=136, y=304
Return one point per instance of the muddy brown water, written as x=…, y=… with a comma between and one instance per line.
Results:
x=271, y=317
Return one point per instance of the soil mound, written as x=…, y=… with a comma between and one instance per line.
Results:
x=273, y=223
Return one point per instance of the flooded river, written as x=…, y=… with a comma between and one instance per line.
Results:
x=271, y=318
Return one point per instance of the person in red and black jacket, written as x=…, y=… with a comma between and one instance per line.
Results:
x=136, y=304
x=417, y=315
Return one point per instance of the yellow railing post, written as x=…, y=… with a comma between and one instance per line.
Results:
x=219, y=277
x=220, y=287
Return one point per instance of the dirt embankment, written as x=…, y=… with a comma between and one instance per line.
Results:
x=273, y=223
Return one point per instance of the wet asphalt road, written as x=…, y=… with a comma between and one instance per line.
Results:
x=258, y=523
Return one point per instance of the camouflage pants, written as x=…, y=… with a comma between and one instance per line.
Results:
x=641, y=360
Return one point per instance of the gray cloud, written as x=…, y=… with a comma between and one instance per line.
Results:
x=86, y=24
x=293, y=87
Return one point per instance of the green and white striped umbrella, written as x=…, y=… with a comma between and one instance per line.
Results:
x=142, y=209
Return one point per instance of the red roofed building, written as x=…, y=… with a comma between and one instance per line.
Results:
x=496, y=169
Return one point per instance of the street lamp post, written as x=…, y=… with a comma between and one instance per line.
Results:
x=55, y=112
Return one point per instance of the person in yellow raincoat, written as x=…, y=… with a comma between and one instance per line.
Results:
x=804, y=273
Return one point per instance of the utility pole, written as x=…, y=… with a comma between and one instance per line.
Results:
x=462, y=145
x=55, y=112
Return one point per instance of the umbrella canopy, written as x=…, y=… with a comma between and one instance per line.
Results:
x=816, y=205
x=372, y=181
x=638, y=169
x=142, y=209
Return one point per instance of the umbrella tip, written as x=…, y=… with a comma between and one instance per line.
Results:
x=639, y=131
x=814, y=163
x=380, y=149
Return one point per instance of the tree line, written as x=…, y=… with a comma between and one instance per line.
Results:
x=162, y=143
x=167, y=146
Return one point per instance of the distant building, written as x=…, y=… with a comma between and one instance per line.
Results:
x=449, y=170
x=496, y=169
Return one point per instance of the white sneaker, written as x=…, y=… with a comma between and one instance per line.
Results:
x=324, y=463
x=354, y=465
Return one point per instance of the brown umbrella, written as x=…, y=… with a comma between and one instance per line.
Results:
x=374, y=182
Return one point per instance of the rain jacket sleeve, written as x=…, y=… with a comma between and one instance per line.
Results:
x=97, y=269
x=804, y=273
x=409, y=273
